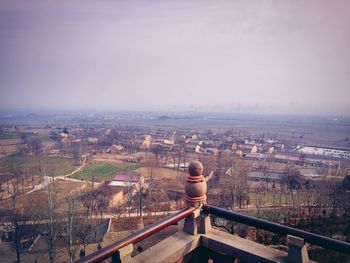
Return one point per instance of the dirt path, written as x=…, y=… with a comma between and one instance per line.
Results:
x=74, y=172
x=46, y=180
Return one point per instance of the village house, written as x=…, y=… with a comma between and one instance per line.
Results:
x=180, y=138
x=92, y=140
x=168, y=142
x=127, y=179
x=268, y=149
x=211, y=151
x=192, y=148
x=278, y=146
x=287, y=159
x=248, y=148
x=115, y=149
x=234, y=146
x=272, y=176
x=255, y=156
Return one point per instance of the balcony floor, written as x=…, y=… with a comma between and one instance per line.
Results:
x=182, y=247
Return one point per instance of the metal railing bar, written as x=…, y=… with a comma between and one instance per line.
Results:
x=322, y=241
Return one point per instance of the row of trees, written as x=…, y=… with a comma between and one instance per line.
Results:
x=73, y=221
x=15, y=178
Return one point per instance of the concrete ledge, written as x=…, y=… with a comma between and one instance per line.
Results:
x=171, y=249
x=243, y=249
x=177, y=246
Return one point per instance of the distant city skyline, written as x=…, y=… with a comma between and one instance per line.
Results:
x=273, y=57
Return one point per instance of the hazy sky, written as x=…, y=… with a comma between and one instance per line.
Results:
x=292, y=55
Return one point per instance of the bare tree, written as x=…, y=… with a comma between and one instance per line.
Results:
x=258, y=199
x=209, y=164
x=151, y=163
x=20, y=177
x=46, y=211
x=93, y=180
x=35, y=145
x=157, y=151
x=71, y=228
x=16, y=218
x=76, y=152
x=265, y=170
x=238, y=186
x=84, y=226
x=141, y=193
x=102, y=203
x=181, y=156
x=4, y=184
x=294, y=184
x=94, y=201
x=224, y=160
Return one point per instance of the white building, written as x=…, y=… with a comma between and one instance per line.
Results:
x=329, y=152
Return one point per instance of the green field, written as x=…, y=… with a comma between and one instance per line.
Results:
x=31, y=164
x=104, y=171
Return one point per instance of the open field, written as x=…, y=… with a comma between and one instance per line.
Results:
x=43, y=135
x=164, y=178
x=104, y=171
x=63, y=189
x=9, y=135
x=30, y=133
x=31, y=164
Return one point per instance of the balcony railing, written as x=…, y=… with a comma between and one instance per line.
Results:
x=112, y=249
x=311, y=238
x=197, y=233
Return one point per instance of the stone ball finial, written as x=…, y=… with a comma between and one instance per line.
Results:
x=195, y=168
x=196, y=185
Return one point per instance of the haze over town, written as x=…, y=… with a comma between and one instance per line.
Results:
x=259, y=56
x=174, y=131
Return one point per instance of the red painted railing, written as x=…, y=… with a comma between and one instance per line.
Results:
x=137, y=236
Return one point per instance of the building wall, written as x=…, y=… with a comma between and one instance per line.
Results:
x=337, y=153
x=121, y=183
x=116, y=198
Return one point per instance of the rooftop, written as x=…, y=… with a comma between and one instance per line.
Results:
x=130, y=177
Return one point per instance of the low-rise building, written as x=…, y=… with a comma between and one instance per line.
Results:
x=273, y=176
x=92, y=140
x=192, y=148
x=127, y=179
x=323, y=151
x=211, y=150
x=115, y=149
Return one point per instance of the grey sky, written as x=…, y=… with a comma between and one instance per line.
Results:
x=292, y=56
